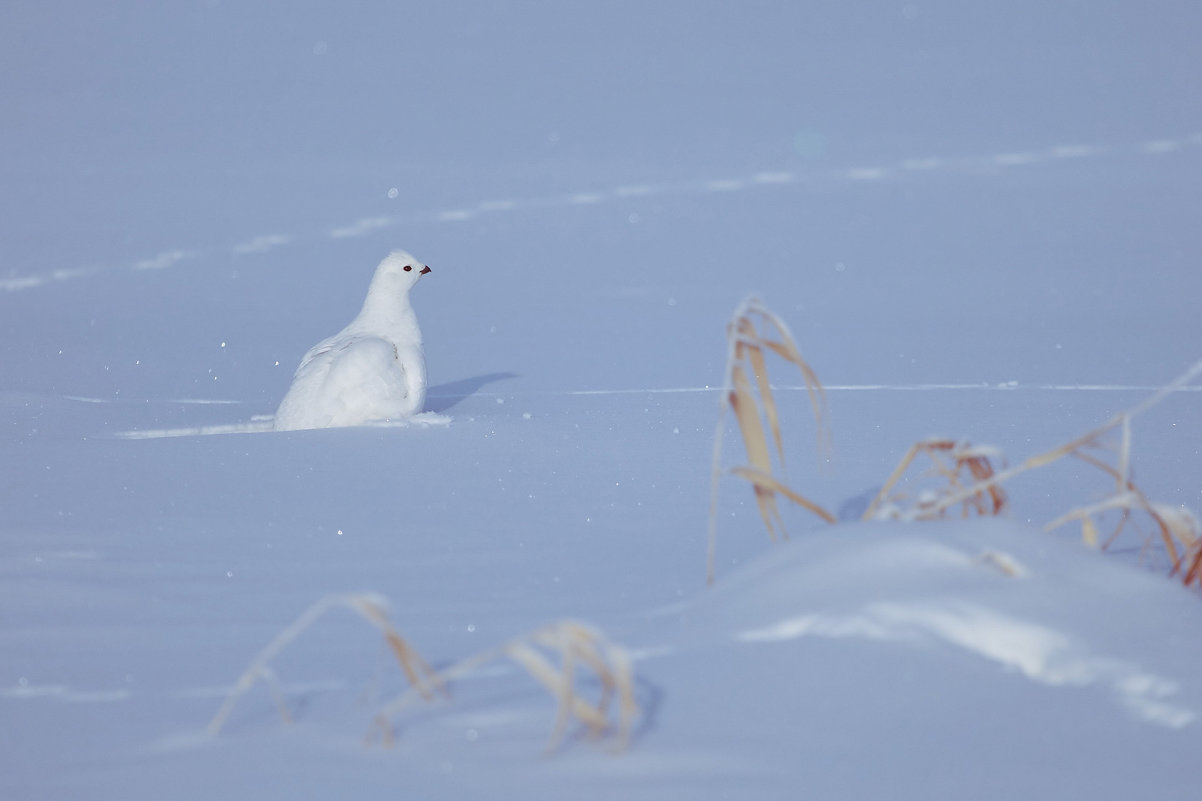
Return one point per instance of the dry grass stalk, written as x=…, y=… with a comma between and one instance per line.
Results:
x=959, y=464
x=1002, y=562
x=1178, y=526
x=551, y=655
x=746, y=354
x=968, y=473
x=372, y=608
x=1193, y=566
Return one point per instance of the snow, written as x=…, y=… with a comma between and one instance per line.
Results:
x=978, y=220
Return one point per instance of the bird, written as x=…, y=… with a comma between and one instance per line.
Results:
x=372, y=370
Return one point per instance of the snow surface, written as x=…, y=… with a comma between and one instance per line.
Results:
x=979, y=219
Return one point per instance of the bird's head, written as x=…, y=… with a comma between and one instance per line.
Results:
x=398, y=272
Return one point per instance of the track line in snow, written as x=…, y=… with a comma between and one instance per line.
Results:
x=170, y=401
x=1009, y=386
x=905, y=169
x=261, y=424
x=162, y=261
x=26, y=691
x=975, y=166
x=261, y=244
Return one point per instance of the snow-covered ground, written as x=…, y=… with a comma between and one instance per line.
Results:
x=980, y=220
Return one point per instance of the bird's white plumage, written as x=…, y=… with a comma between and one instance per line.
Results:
x=374, y=369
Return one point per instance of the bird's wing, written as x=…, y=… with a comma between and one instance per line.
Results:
x=349, y=380
x=364, y=382
x=321, y=355
x=412, y=363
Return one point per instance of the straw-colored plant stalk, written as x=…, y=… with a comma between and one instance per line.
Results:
x=372, y=608
x=754, y=407
x=1193, y=565
x=957, y=463
x=968, y=474
x=551, y=654
x=1177, y=526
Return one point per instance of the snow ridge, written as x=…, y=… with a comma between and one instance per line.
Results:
x=1040, y=654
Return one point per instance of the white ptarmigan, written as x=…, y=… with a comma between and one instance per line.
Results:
x=373, y=369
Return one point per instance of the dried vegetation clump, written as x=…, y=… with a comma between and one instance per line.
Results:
x=553, y=655
x=958, y=465
x=959, y=474
x=752, y=334
x=371, y=608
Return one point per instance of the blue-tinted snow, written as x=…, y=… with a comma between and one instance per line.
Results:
x=968, y=213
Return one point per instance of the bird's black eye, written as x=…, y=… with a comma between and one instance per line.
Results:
x=408, y=268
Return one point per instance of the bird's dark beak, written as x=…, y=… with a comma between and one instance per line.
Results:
x=424, y=271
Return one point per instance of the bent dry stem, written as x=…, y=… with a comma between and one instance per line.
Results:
x=552, y=655
x=966, y=475
x=370, y=607
x=746, y=353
